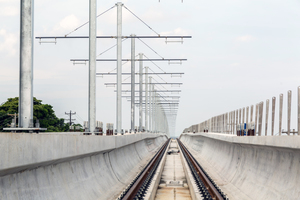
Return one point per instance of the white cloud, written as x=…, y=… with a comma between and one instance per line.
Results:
x=8, y=1
x=245, y=38
x=153, y=15
x=8, y=42
x=9, y=11
x=177, y=31
x=67, y=24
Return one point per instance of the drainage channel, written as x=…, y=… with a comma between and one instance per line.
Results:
x=173, y=183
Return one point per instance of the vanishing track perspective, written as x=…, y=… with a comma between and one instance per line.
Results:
x=165, y=177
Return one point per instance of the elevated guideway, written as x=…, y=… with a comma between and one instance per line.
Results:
x=71, y=166
x=264, y=167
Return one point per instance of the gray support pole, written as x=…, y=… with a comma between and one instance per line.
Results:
x=119, y=67
x=141, y=93
x=150, y=104
x=267, y=117
x=261, y=106
x=233, y=124
x=132, y=83
x=280, y=112
x=289, y=112
x=298, y=110
x=240, y=113
x=225, y=123
x=153, y=110
x=243, y=116
x=92, y=65
x=251, y=114
x=146, y=95
x=26, y=64
x=256, y=112
x=273, y=113
x=237, y=112
x=247, y=116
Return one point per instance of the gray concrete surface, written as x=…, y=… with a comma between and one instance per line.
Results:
x=173, y=184
x=62, y=166
x=260, y=168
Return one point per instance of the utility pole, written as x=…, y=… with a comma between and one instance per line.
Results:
x=92, y=66
x=70, y=116
x=146, y=95
x=141, y=93
x=26, y=65
x=132, y=83
x=150, y=104
x=119, y=67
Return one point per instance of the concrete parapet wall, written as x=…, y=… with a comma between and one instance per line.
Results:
x=265, y=167
x=63, y=166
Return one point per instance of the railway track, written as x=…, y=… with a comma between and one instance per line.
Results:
x=138, y=187
x=205, y=185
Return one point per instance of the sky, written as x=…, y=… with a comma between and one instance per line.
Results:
x=242, y=52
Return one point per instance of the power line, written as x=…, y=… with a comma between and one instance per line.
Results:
x=140, y=20
x=89, y=21
x=70, y=117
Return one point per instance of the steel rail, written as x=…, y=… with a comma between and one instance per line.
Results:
x=135, y=187
x=207, y=182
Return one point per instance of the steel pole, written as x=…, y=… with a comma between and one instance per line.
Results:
x=132, y=82
x=146, y=95
x=154, y=112
x=26, y=65
x=141, y=93
x=243, y=116
x=289, y=112
x=92, y=65
x=280, y=112
x=298, y=110
x=267, y=117
x=119, y=67
x=236, y=120
x=150, y=104
x=251, y=114
x=261, y=106
x=273, y=113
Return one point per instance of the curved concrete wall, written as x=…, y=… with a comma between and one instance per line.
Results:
x=72, y=166
x=266, y=167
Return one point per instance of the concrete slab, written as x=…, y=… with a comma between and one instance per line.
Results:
x=255, y=167
x=173, y=183
x=60, y=166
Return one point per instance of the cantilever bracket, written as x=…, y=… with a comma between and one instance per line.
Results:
x=174, y=63
x=174, y=41
x=75, y=62
x=53, y=42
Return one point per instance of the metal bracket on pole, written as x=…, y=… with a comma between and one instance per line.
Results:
x=174, y=41
x=49, y=42
x=79, y=63
x=175, y=63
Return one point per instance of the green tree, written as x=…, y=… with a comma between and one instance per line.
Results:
x=43, y=112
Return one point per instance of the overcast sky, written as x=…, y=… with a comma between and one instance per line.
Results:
x=242, y=52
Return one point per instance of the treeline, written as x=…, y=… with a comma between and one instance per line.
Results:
x=43, y=112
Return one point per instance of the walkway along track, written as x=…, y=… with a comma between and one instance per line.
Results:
x=139, y=186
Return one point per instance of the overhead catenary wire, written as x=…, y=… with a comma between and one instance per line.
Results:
x=110, y=48
x=141, y=20
x=89, y=21
x=150, y=48
x=155, y=64
x=122, y=64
